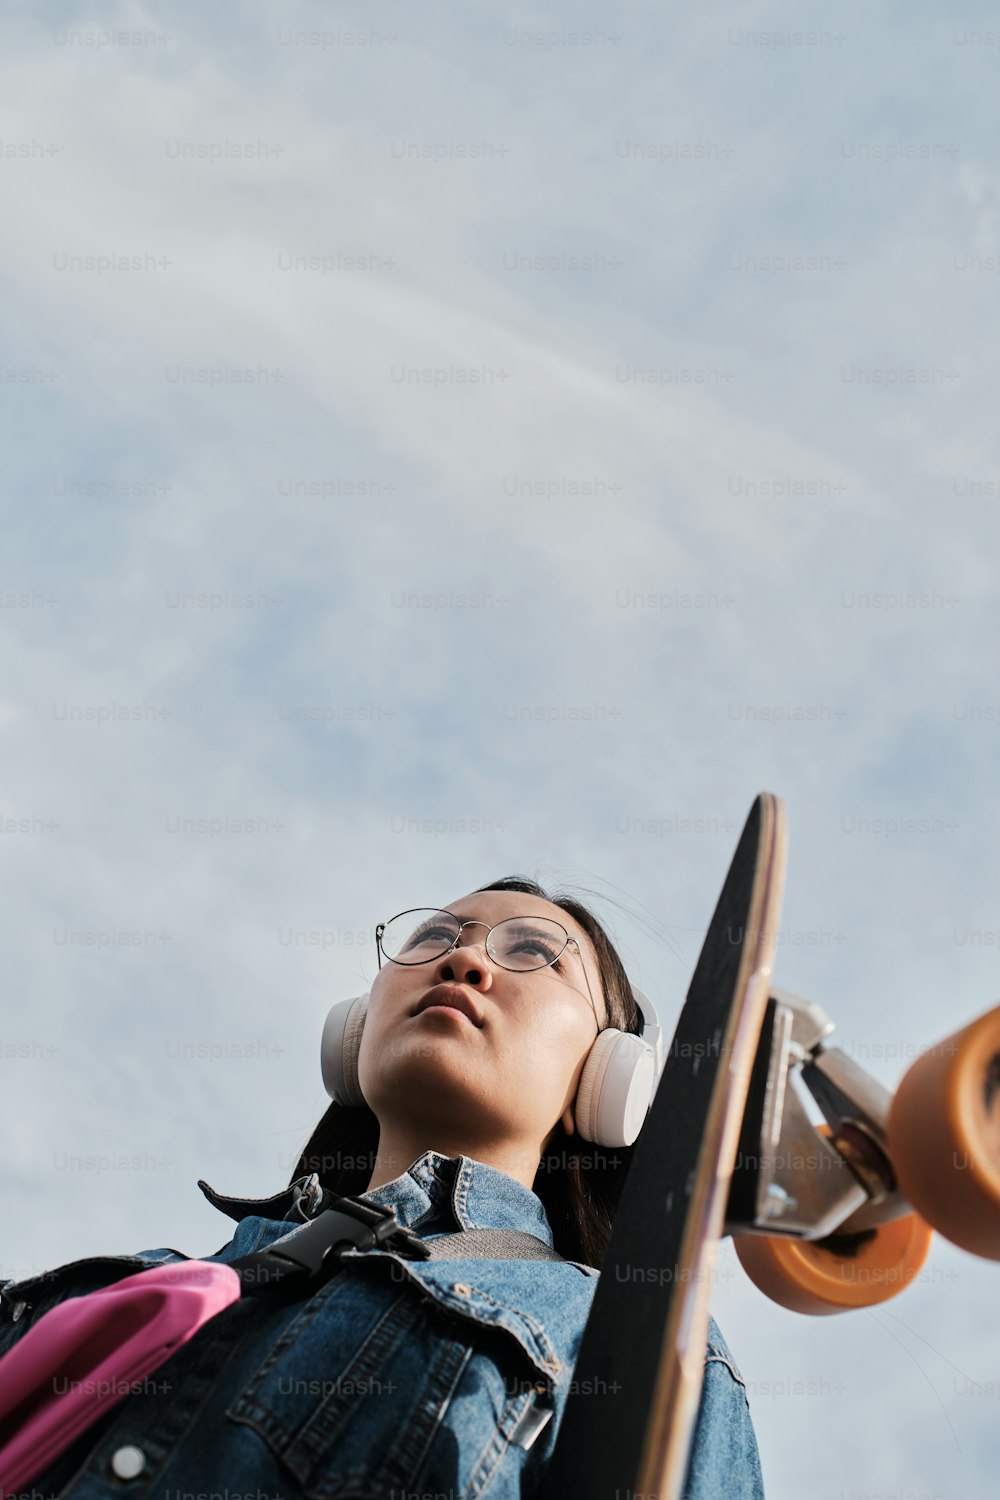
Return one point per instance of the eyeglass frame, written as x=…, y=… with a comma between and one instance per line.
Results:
x=478, y=922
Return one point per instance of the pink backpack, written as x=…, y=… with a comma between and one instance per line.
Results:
x=86, y=1353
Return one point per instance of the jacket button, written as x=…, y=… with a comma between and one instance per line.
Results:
x=128, y=1462
x=18, y=1309
x=462, y=1290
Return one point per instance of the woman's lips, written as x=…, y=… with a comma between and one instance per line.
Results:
x=447, y=1010
x=450, y=997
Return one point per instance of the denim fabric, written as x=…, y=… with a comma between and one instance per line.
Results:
x=397, y=1379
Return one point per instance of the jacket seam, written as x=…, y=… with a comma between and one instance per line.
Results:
x=499, y=1445
x=714, y=1357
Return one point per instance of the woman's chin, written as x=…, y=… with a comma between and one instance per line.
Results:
x=426, y=1076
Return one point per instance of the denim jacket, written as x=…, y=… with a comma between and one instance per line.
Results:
x=397, y=1379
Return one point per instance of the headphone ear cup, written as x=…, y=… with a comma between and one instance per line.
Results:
x=615, y=1088
x=340, y=1047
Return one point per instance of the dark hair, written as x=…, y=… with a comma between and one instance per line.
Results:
x=578, y=1182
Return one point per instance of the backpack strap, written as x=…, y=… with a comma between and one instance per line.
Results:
x=490, y=1244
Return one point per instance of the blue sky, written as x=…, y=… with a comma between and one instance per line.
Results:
x=707, y=448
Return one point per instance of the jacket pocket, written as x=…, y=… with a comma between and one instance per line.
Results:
x=380, y=1384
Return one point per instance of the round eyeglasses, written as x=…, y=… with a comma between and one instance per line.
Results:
x=523, y=944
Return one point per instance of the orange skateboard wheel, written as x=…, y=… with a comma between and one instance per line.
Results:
x=839, y=1273
x=944, y=1136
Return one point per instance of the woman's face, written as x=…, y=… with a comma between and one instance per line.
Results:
x=500, y=1081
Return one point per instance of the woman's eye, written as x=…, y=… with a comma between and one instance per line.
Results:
x=428, y=932
x=541, y=948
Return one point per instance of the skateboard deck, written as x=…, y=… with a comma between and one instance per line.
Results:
x=628, y=1422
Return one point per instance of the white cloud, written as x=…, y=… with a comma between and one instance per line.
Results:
x=779, y=677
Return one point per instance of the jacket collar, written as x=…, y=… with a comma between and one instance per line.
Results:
x=299, y=1202
x=447, y=1192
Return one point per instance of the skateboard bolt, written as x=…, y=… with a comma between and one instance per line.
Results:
x=778, y=1201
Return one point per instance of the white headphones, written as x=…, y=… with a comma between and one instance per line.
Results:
x=616, y=1088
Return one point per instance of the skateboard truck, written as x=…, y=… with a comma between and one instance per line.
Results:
x=791, y=1176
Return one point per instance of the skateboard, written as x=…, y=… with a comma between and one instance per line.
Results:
x=824, y=1217
x=636, y=1383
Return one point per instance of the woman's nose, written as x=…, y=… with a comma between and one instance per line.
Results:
x=468, y=964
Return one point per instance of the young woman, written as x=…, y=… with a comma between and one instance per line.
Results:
x=406, y=1377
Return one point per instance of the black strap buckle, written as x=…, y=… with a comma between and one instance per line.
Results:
x=310, y=1254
